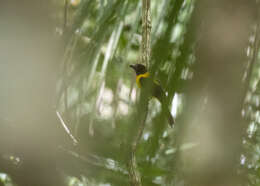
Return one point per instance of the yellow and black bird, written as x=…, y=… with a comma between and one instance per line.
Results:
x=142, y=79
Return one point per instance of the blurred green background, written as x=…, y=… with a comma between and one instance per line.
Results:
x=67, y=63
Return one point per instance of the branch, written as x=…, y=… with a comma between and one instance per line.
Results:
x=146, y=32
x=134, y=174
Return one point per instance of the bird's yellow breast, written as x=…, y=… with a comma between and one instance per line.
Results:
x=139, y=77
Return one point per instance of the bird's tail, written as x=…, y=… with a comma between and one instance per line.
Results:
x=170, y=118
x=167, y=112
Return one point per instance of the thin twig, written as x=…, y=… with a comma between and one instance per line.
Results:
x=95, y=160
x=75, y=142
x=65, y=15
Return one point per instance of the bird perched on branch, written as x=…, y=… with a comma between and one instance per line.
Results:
x=143, y=79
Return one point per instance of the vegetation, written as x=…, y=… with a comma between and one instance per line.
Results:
x=71, y=113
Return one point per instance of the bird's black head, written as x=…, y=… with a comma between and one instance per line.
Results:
x=139, y=68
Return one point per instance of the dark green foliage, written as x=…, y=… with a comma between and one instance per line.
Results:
x=113, y=135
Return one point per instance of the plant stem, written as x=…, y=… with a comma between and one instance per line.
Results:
x=135, y=177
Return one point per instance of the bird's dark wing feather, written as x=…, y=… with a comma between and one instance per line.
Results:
x=157, y=92
x=156, y=89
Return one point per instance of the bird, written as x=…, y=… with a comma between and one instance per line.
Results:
x=143, y=79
